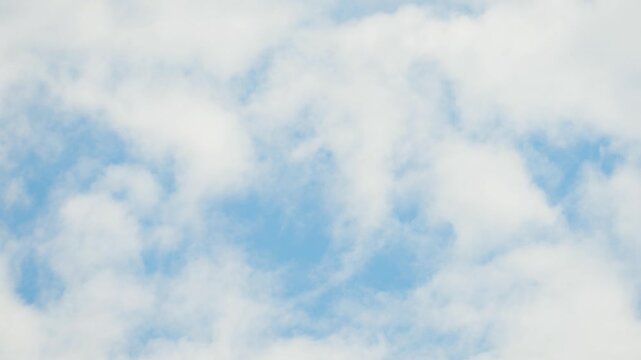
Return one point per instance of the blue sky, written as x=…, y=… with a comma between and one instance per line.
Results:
x=321, y=180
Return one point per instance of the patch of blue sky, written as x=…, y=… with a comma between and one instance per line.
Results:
x=318, y=313
x=427, y=81
x=435, y=344
x=353, y=10
x=557, y=167
x=247, y=84
x=281, y=224
x=61, y=142
x=393, y=268
x=412, y=253
x=288, y=230
x=42, y=169
x=286, y=225
x=156, y=260
x=412, y=257
x=188, y=242
x=36, y=283
x=408, y=211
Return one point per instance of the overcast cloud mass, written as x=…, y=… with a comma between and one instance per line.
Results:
x=321, y=179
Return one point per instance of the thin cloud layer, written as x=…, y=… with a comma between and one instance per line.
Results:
x=283, y=180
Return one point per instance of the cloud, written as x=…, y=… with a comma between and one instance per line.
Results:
x=609, y=205
x=334, y=348
x=484, y=191
x=536, y=64
x=138, y=138
x=23, y=338
x=579, y=308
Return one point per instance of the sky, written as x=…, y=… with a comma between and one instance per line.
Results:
x=320, y=179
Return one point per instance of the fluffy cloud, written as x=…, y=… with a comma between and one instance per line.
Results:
x=485, y=193
x=610, y=204
x=540, y=62
x=416, y=123
x=22, y=339
x=549, y=302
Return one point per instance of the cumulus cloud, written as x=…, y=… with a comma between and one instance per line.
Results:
x=22, y=339
x=150, y=153
x=547, y=302
x=609, y=205
x=485, y=193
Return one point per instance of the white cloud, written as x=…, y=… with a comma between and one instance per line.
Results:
x=540, y=62
x=114, y=61
x=351, y=91
x=541, y=302
x=213, y=152
x=22, y=333
x=485, y=192
x=611, y=206
x=96, y=233
x=333, y=348
x=15, y=195
x=96, y=318
x=135, y=185
x=418, y=105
